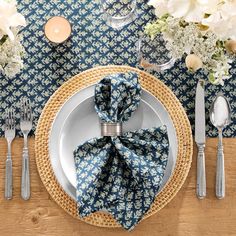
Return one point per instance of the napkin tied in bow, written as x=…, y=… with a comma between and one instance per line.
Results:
x=121, y=175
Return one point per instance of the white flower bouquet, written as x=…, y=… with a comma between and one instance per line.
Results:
x=203, y=30
x=11, y=50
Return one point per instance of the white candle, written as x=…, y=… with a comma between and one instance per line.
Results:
x=57, y=29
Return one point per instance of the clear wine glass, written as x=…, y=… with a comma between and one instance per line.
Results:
x=118, y=13
x=153, y=54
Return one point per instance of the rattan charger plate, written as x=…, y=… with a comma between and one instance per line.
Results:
x=83, y=80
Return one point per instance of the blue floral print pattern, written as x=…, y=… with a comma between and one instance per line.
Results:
x=93, y=43
x=121, y=175
x=117, y=96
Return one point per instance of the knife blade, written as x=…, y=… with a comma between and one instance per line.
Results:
x=200, y=138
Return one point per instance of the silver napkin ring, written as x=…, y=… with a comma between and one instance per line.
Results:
x=111, y=129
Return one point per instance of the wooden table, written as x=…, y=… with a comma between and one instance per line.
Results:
x=184, y=215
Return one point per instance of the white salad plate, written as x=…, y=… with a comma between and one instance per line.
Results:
x=77, y=122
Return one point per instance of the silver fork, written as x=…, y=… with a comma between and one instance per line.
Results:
x=9, y=128
x=25, y=125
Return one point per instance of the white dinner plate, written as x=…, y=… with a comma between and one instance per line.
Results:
x=77, y=121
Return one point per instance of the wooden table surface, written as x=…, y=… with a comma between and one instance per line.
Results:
x=184, y=215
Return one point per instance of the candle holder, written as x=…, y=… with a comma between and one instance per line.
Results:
x=57, y=29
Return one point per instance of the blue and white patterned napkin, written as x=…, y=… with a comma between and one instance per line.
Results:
x=120, y=174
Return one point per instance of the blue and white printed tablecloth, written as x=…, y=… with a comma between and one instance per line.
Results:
x=92, y=43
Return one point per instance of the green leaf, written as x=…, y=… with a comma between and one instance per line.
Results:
x=211, y=78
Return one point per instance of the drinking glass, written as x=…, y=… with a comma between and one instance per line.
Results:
x=118, y=13
x=153, y=54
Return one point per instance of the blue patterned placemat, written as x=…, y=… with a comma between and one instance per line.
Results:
x=92, y=43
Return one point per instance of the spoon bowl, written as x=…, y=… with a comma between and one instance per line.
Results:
x=220, y=112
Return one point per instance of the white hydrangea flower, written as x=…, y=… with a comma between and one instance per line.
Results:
x=190, y=11
x=221, y=14
x=222, y=22
x=221, y=71
x=180, y=40
x=160, y=7
x=11, y=49
x=10, y=18
x=10, y=56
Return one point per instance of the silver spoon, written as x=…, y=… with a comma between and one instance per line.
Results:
x=220, y=116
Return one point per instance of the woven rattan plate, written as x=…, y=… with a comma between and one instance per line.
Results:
x=89, y=77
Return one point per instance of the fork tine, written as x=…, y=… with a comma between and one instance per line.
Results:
x=13, y=119
x=29, y=114
x=23, y=109
x=29, y=110
x=6, y=125
x=26, y=109
x=9, y=118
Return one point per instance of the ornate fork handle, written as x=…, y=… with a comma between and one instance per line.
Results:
x=8, y=179
x=25, y=180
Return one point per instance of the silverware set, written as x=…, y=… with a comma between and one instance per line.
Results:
x=220, y=116
x=26, y=118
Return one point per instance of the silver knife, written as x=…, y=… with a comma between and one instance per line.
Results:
x=200, y=138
